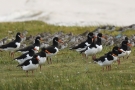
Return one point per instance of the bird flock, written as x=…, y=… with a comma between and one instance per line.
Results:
x=36, y=50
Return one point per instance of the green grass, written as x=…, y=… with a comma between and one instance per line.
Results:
x=69, y=70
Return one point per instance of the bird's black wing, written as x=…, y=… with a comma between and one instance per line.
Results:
x=27, y=62
x=25, y=48
x=10, y=44
x=81, y=45
x=51, y=49
x=22, y=56
x=102, y=58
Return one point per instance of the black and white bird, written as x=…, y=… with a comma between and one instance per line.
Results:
x=30, y=64
x=106, y=60
x=13, y=45
x=124, y=48
x=99, y=42
x=53, y=49
x=35, y=45
x=128, y=51
x=42, y=57
x=82, y=46
x=90, y=50
x=21, y=59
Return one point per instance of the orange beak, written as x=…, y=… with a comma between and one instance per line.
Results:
x=60, y=41
x=104, y=37
x=40, y=39
x=114, y=55
x=129, y=44
x=47, y=51
x=21, y=36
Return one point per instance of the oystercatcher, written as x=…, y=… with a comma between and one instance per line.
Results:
x=36, y=45
x=90, y=50
x=53, y=49
x=105, y=60
x=13, y=45
x=82, y=46
x=123, y=48
x=30, y=64
x=42, y=57
x=21, y=59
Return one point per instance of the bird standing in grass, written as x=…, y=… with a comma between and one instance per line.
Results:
x=83, y=45
x=105, y=60
x=90, y=50
x=108, y=58
x=35, y=45
x=53, y=49
x=13, y=45
x=99, y=42
x=124, y=49
x=128, y=51
x=30, y=64
x=21, y=59
x=42, y=57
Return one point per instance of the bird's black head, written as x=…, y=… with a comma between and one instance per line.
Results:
x=38, y=38
x=90, y=35
x=18, y=34
x=18, y=37
x=99, y=35
x=56, y=39
x=32, y=48
x=115, y=48
x=125, y=42
x=36, y=57
x=126, y=38
x=109, y=53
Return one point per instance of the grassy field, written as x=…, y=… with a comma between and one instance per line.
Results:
x=69, y=70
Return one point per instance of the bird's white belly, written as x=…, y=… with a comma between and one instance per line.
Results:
x=42, y=60
x=30, y=67
x=99, y=47
x=122, y=54
x=128, y=52
x=91, y=51
x=115, y=58
x=105, y=63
